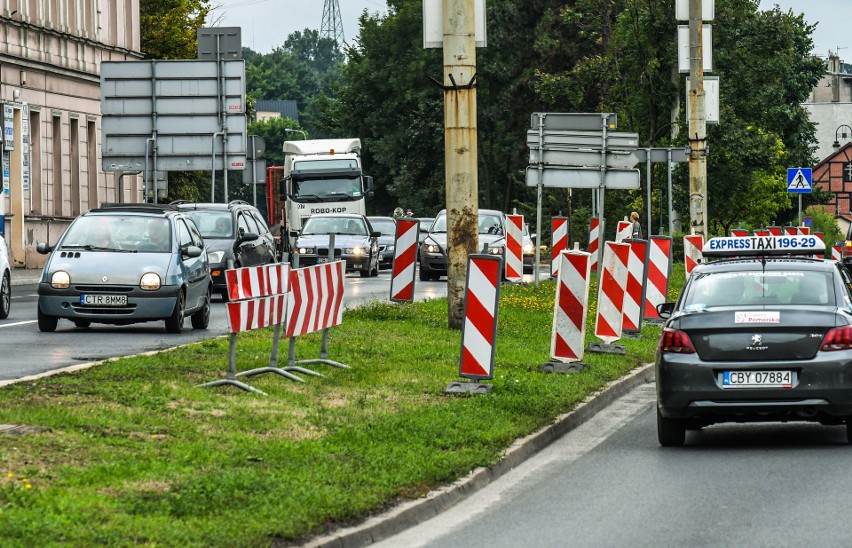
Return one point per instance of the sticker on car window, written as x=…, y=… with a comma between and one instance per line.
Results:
x=757, y=317
x=695, y=307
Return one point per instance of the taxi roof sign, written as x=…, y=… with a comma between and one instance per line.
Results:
x=764, y=246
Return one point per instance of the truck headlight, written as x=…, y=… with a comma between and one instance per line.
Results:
x=150, y=281
x=216, y=257
x=355, y=251
x=60, y=280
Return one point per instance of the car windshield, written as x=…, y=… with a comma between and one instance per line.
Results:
x=335, y=225
x=425, y=224
x=119, y=233
x=795, y=287
x=489, y=223
x=386, y=226
x=213, y=224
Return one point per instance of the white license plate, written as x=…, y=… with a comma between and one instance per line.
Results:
x=322, y=259
x=103, y=300
x=757, y=379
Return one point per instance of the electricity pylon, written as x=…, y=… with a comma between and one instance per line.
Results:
x=332, y=23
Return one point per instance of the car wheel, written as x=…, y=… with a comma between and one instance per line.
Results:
x=82, y=323
x=5, y=296
x=849, y=431
x=174, y=323
x=670, y=432
x=224, y=295
x=201, y=319
x=365, y=273
x=46, y=323
x=424, y=274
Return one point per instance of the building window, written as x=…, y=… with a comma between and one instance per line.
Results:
x=92, y=164
x=35, y=163
x=56, y=137
x=74, y=149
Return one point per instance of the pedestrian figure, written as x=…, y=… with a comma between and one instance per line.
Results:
x=637, y=228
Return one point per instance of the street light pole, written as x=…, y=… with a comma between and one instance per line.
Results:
x=836, y=143
x=302, y=131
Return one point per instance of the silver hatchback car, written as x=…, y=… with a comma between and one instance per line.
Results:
x=124, y=264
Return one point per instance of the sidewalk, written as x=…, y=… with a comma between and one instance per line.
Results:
x=25, y=276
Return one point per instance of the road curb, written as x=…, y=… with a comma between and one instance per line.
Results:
x=412, y=513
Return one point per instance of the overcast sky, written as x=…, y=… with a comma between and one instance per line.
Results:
x=267, y=23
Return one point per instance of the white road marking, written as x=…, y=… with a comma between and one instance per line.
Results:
x=17, y=323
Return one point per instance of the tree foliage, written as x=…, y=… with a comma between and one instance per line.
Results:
x=169, y=27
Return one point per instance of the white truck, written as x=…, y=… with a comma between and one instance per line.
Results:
x=318, y=176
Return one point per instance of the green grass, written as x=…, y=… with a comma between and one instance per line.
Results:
x=133, y=453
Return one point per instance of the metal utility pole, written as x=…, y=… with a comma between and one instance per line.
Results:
x=697, y=124
x=460, y=149
x=332, y=23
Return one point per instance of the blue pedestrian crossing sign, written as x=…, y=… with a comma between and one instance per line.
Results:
x=799, y=180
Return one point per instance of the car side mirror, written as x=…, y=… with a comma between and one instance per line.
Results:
x=534, y=236
x=43, y=248
x=294, y=233
x=665, y=310
x=247, y=237
x=192, y=251
x=375, y=234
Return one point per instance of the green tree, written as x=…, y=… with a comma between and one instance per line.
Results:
x=169, y=27
x=825, y=223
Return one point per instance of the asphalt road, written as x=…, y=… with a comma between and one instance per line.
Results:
x=608, y=483
x=26, y=351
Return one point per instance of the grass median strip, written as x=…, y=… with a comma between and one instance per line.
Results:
x=131, y=452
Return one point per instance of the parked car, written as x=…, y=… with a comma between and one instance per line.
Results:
x=763, y=334
x=5, y=281
x=433, y=252
x=498, y=247
x=386, y=226
x=234, y=232
x=126, y=263
x=355, y=241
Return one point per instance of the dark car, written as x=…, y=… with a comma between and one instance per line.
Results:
x=387, y=227
x=123, y=264
x=355, y=241
x=433, y=252
x=765, y=335
x=234, y=232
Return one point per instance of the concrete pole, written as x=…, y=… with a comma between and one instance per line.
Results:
x=460, y=150
x=697, y=125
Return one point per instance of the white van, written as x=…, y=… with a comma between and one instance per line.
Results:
x=5, y=280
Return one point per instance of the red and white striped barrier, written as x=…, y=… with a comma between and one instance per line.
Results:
x=773, y=230
x=766, y=231
x=316, y=298
x=739, y=232
x=825, y=254
x=803, y=230
x=623, y=231
x=635, y=288
x=404, y=257
x=257, y=296
x=835, y=252
x=594, y=240
x=693, y=251
x=658, y=275
x=791, y=230
x=479, y=331
x=572, y=304
x=611, y=292
x=559, y=231
x=514, y=248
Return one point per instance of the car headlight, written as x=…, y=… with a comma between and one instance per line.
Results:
x=528, y=249
x=150, y=281
x=355, y=251
x=60, y=280
x=306, y=251
x=495, y=250
x=389, y=248
x=216, y=257
x=431, y=248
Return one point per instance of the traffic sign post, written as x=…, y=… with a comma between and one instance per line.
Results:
x=800, y=181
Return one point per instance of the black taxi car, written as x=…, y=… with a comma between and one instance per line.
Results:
x=762, y=334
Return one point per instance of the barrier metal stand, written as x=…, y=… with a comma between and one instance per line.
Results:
x=291, y=361
x=470, y=387
x=231, y=380
x=273, y=363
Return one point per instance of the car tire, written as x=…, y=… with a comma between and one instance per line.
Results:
x=670, y=432
x=224, y=295
x=849, y=431
x=424, y=274
x=364, y=273
x=201, y=319
x=5, y=296
x=46, y=323
x=174, y=323
x=82, y=323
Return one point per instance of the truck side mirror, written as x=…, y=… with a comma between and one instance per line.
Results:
x=368, y=180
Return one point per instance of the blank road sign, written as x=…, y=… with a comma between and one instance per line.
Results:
x=569, y=121
x=566, y=177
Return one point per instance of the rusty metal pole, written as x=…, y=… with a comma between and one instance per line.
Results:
x=697, y=125
x=460, y=151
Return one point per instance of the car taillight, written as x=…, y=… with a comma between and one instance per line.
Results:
x=847, y=248
x=676, y=341
x=839, y=338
